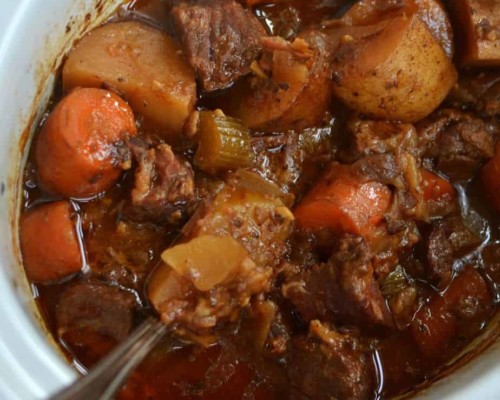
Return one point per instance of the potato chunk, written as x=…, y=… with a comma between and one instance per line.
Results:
x=259, y=221
x=399, y=73
x=143, y=64
x=478, y=24
x=201, y=261
x=431, y=12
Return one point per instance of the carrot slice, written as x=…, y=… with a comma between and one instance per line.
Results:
x=344, y=203
x=436, y=324
x=436, y=188
x=77, y=152
x=49, y=243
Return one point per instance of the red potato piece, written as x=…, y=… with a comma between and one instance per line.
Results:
x=431, y=12
x=477, y=23
x=490, y=176
x=78, y=150
x=344, y=203
x=400, y=72
x=49, y=243
x=466, y=304
x=143, y=64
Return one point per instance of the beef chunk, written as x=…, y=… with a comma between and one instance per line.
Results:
x=291, y=160
x=369, y=137
x=220, y=39
x=97, y=307
x=458, y=141
x=328, y=365
x=163, y=183
x=343, y=290
x=479, y=92
x=449, y=239
x=92, y=312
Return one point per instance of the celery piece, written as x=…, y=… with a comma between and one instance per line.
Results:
x=223, y=143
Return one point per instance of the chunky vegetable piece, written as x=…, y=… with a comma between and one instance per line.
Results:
x=49, y=243
x=399, y=73
x=199, y=285
x=431, y=12
x=477, y=23
x=344, y=203
x=201, y=261
x=143, y=64
x=438, y=194
x=436, y=188
x=223, y=143
x=80, y=151
x=259, y=221
x=295, y=93
x=465, y=304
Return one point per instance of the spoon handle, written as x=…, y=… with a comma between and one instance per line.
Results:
x=107, y=377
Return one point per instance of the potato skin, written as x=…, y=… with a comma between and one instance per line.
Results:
x=144, y=65
x=400, y=73
x=431, y=12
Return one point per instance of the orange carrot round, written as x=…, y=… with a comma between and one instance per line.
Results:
x=49, y=243
x=436, y=188
x=343, y=202
x=76, y=152
x=436, y=323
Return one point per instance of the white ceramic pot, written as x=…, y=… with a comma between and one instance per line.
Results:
x=34, y=35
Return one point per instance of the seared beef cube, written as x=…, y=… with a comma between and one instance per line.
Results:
x=164, y=184
x=328, y=365
x=93, y=312
x=369, y=137
x=343, y=290
x=220, y=39
x=449, y=239
x=458, y=141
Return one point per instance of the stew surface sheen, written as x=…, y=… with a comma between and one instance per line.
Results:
x=307, y=192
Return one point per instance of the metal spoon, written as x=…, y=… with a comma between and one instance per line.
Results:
x=107, y=377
